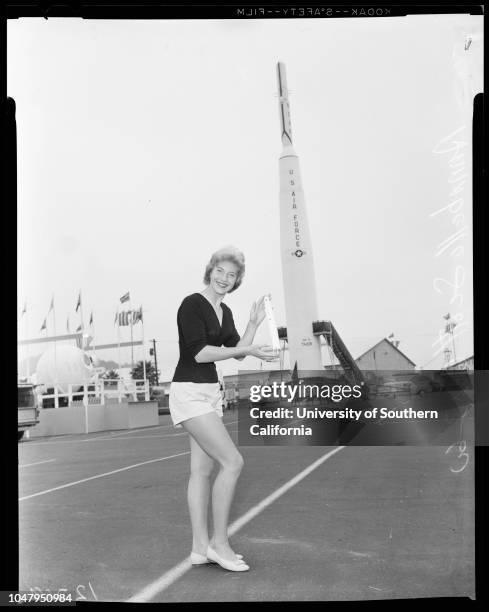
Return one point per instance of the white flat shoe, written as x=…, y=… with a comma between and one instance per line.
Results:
x=233, y=566
x=198, y=559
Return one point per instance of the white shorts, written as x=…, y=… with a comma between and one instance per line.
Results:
x=189, y=399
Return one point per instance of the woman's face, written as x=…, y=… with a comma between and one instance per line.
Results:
x=223, y=277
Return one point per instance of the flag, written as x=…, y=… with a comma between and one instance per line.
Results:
x=52, y=305
x=124, y=318
x=137, y=315
x=24, y=310
x=447, y=316
x=125, y=298
x=43, y=324
x=91, y=318
x=78, y=304
x=392, y=335
x=68, y=324
x=79, y=328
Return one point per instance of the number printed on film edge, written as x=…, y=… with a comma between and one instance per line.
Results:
x=62, y=597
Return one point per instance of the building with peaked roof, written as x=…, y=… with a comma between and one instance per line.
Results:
x=384, y=356
x=465, y=364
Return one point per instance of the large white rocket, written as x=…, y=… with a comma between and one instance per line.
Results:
x=295, y=243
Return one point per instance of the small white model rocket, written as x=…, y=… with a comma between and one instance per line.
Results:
x=272, y=325
x=295, y=243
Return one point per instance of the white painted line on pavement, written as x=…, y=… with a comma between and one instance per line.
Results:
x=138, y=437
x=37, y=463
x=117, y=435
x=176, y=572
x=109, y=438
x=129, y=431
x=129, y=467
x=101, y=437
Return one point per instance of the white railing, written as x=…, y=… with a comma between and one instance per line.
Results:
x=100, y=390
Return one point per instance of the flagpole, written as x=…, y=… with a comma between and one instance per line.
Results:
x=55, y=362
x=130, y=322
x=82, y=326
x=118, y=340
x=93, y=329
x=144, y=348
x=27, y=346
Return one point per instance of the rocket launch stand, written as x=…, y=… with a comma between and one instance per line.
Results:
x=333, y=340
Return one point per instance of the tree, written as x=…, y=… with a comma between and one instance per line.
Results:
x=138, y=373
x=111, y=374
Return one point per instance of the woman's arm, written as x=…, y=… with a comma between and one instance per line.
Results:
x=194, y=334
x=218, y=353
x=244, y=346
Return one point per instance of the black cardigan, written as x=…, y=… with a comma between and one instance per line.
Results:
x=198, y=326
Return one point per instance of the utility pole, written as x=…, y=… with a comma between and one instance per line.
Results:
x=449, y=327
x=153, y=352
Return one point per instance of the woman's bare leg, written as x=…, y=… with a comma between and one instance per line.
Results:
x=201, y=466
x=209, y=431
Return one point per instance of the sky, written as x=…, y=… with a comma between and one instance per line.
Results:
x=144, y=146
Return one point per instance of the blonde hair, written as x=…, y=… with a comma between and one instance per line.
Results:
x=227, y=253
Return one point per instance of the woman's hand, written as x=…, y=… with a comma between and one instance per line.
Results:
x=263, y=351
x=257, y=313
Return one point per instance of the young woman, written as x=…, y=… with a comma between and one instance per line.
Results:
x=205, y=323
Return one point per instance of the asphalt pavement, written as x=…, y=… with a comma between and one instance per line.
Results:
x=104, y=516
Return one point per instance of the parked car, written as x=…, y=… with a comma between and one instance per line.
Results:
x=27, y=407
x=158, y=393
